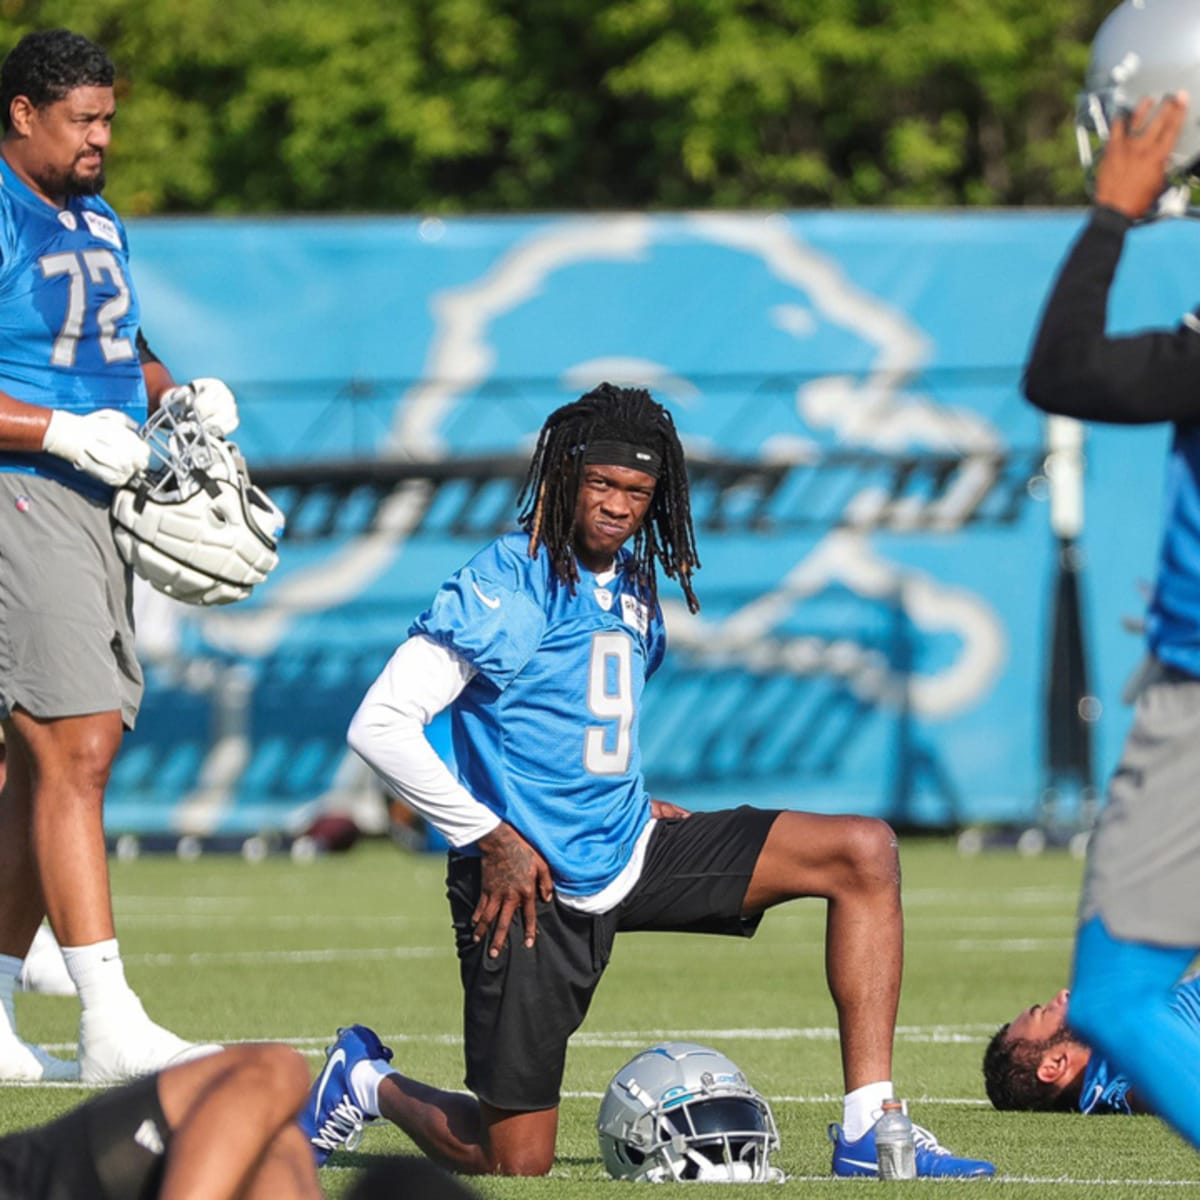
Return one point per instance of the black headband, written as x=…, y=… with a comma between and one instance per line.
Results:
x=623, y=454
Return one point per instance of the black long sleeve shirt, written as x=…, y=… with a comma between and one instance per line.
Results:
x=1077, y=370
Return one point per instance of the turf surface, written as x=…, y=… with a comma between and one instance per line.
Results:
x=221, y=949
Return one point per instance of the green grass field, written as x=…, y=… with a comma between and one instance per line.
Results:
x=221, y=949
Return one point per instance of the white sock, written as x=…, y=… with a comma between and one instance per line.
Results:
x=10, y=968
x=365, y=1078
x=99, y=975
x=863, y=1107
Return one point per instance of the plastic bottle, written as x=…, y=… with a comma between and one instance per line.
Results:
x=894, y=1149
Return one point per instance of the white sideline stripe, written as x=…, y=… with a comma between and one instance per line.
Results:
x=997, y=1180
x=639, y=1038
x=1012, y=945
x=994, y=1181
x=278, y=921
x=167, y=959
x=826, y=1098
x=318, y=1052
x=256, y=957
x=1035, y=897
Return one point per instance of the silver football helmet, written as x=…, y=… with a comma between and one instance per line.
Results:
x=193, y=525
x=1144, y=48
x=680, y=1111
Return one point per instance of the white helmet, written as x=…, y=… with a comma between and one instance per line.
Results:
x=193, y=525
x=1144, y=48
x=681, y=1111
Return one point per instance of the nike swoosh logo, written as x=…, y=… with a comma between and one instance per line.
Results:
x=856, y=1162
x=490, y=601
x=337, y=1058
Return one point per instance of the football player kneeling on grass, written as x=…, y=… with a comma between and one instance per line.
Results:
x=540, y=647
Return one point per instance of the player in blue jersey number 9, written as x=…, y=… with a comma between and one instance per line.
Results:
x=540, y=646
x=77, y=378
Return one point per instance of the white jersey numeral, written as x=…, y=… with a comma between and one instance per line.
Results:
x=99, y=263
x=609, y=697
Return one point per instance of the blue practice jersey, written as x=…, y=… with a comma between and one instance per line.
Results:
x=546, y=733
x=69, y=316
x=1173, y=622
x=1104, y=1089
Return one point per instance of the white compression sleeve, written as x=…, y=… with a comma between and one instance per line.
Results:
x=388, y=731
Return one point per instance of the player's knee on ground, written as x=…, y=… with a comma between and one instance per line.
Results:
x=523, y=1150
x=523, y=1160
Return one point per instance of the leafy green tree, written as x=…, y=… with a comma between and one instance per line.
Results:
x=245, y=106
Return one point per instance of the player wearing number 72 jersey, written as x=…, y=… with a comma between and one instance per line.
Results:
x=76, y=378
x=540, y=646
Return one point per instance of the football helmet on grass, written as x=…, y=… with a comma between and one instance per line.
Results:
x=680, y=1111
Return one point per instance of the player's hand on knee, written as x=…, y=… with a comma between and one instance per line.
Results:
x=212, y=402
x=105, y=444
x=512, y=875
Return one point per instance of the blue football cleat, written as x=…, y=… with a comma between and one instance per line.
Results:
x=934, y=1161
x=332, y=1117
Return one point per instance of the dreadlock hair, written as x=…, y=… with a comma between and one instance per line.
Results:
x=1010, y=1066
x=548, y=498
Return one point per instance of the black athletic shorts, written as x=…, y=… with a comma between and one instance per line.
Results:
x=110, y=1148
x=521, y=1008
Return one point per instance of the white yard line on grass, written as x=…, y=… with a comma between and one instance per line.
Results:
x=257, y=957
x=638, y=1038
x=1010, y=945
x=258, y=920
x=996, y=1180
x=578, y=1176
x=826, y=1098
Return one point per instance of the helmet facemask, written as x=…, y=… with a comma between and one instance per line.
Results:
x=193, y=525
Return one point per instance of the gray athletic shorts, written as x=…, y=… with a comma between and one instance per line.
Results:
x=1144, y=857
x=66, y=620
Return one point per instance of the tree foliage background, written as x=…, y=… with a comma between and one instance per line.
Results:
x=500, y=105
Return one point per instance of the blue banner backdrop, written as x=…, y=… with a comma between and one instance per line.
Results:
x=892, y=667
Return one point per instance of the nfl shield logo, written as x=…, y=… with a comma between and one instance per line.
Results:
x=603, y=598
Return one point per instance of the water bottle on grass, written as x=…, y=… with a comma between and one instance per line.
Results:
x=894, y=1148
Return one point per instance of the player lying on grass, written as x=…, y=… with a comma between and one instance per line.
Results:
x=1036, y=1063
x=540, y=647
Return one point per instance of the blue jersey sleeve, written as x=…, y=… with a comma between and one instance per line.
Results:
x=486, y=615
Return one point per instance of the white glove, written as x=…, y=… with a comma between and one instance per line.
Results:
x=211, y=401
x=105, y=444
